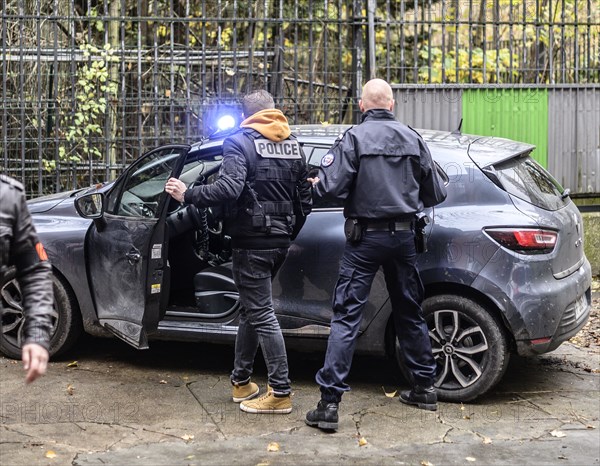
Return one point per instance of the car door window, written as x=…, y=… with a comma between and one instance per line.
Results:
x=314, y=156
x=140, y=192
x=202, y=166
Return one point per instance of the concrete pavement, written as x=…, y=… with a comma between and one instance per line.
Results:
x=170, y=406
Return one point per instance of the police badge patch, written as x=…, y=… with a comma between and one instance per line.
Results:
x=327, y=159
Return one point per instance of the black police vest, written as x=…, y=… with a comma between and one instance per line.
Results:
x=270, y=190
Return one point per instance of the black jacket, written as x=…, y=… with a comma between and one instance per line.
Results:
x=20, y=247
x=382, y=169
x=245, y=178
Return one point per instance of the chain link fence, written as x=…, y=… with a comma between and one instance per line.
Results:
x=88, y=86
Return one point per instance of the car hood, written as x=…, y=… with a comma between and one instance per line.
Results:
x=49, y=202
x=46, y=203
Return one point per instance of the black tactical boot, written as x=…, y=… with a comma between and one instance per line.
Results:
x=421, y=397
x=324, y=417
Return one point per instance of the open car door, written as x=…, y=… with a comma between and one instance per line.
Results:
x=126, y=247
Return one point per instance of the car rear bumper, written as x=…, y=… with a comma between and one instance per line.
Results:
x=569, y=327
x=540, y=311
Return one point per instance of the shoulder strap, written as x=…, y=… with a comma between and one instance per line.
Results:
x=12, y=182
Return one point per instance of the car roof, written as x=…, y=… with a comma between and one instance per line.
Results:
x=485, y=150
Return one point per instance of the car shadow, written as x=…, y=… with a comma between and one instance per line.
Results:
x=209, y=357
x=523, y=376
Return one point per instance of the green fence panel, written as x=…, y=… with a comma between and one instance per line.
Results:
x=519, y=114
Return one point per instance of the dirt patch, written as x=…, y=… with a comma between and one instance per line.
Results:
x=589, y=335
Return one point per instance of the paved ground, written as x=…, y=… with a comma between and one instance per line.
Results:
x=170, y=405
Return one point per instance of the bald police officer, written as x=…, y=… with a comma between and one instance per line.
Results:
x=20, y=247
x=384, y=173
x=263, y=180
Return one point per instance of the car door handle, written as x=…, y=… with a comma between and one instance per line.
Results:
x=133, y=256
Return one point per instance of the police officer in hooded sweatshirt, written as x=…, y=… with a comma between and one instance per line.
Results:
x=20, y=247
x=384, y=173
x=263, y=184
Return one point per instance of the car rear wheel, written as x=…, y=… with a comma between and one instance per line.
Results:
x=66, y=319
x=469, y=346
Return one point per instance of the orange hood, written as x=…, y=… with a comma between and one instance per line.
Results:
x=271, y=123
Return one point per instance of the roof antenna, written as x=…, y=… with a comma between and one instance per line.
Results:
x=457, y=131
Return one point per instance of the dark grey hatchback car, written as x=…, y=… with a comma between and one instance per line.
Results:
x=505, y=270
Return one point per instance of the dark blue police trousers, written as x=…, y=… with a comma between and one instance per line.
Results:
x=359, y=264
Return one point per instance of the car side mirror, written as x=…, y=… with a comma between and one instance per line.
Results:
x=92, y=206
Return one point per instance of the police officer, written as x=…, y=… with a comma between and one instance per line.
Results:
x=263, y=181
x=384, y=173
x=19, y=246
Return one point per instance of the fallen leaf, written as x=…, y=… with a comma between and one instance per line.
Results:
x=273, y=446
x=190, y=457
x=558, y=433
x=487, y=440
x=391, y=394
x=467, y=417
x=362, y=442
x=187, y=437
x=50, y=454
x=589, y=426
x=70, y=389
x=72, y=364
x=470, y=458
x=163, y=381
x=426, y=463
x=562, y=457
x=167, y=93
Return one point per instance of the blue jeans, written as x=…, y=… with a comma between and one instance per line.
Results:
x=360, y=262
x=253, y=272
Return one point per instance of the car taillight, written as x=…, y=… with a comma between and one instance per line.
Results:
x=527, y=240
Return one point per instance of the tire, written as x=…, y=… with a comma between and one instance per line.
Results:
x=469, y=346
x=66, y=320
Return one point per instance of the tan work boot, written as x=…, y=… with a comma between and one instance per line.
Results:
x=244, y=392
x=268, y=404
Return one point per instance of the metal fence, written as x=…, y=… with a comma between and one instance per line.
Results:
x=89, y=86
x=566, y=134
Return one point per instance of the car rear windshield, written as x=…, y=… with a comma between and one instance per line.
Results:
x=524, y=178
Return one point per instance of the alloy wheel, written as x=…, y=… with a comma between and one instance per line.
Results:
x=460, y=348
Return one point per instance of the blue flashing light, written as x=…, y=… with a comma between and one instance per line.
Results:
x=226, y=122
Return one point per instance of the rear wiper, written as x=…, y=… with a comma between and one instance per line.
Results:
x=566, y=193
